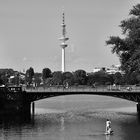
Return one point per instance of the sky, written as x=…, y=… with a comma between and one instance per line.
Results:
x=30, y=32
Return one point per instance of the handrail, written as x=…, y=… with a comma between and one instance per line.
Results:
x=81, y=89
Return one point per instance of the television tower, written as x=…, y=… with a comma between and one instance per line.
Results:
x=63, y=40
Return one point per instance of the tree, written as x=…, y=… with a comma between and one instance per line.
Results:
x=80, y=77
x=100, y=78
x=46, y=73
x=49, y=82
x=133, y=78
x=5, y=75
x=90, y=79
x=1, y=81
x=37, y=78
x=128, y=47
x=68, y=78
x=4, y=79
x=118, y=79
x=57, y=78
x=16, y=79
x=29, y=76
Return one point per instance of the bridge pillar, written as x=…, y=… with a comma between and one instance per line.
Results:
x=138, y=107
x=33, y=108
x=26, y=108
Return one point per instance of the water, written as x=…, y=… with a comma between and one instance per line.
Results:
x=80, y=117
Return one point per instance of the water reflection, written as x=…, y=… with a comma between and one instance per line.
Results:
x=107, y=137
x=129, y=129
x=62, y=121
x=14, y=124
x=138, y=117
x=16, y=119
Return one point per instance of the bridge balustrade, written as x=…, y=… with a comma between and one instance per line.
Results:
x=85, y=89
x=70, y=89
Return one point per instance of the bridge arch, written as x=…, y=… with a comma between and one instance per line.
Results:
x=131, y=96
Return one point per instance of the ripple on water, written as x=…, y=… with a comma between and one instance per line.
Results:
x=121, y=114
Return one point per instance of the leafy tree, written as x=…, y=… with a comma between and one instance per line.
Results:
x=128, y=47
x=29, y=75
x=1, y=81
x=118, y=79
x=138, y=78
x=80, y=77
x=4, y=79
x=68, y=78
x=5, y=75
x=132, y=78
x=57, y=78
x=49, y=82
x=101, y=77
x=111, y=78
x=46, y=73
x=16, y=79
x=7, y=72
x=37, y=78
x=90, y=79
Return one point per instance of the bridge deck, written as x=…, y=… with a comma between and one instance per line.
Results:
x=41, y=93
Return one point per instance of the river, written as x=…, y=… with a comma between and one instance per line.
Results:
x=74, y=117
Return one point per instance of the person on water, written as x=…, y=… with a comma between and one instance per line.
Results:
x=108, y=126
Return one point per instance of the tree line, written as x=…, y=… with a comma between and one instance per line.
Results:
x=78, y=77
x=57, y=78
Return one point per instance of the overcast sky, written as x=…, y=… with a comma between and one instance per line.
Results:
x=30, y=32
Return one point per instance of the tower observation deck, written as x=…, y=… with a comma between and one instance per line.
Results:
x=63, y=40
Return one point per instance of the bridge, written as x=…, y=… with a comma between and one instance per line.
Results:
x=16, y=98
x=38, y=94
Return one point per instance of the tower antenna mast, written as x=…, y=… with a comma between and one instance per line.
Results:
x=63, y=40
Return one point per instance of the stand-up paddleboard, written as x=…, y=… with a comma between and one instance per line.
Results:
x=109, y=133
x=99, y=134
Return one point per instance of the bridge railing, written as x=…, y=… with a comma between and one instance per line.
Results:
x=118, y=88
x=71, y=89
x=60, y=89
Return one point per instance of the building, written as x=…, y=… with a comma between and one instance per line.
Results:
x=111, y=70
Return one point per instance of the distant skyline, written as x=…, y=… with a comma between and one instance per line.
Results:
x=30, y=32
